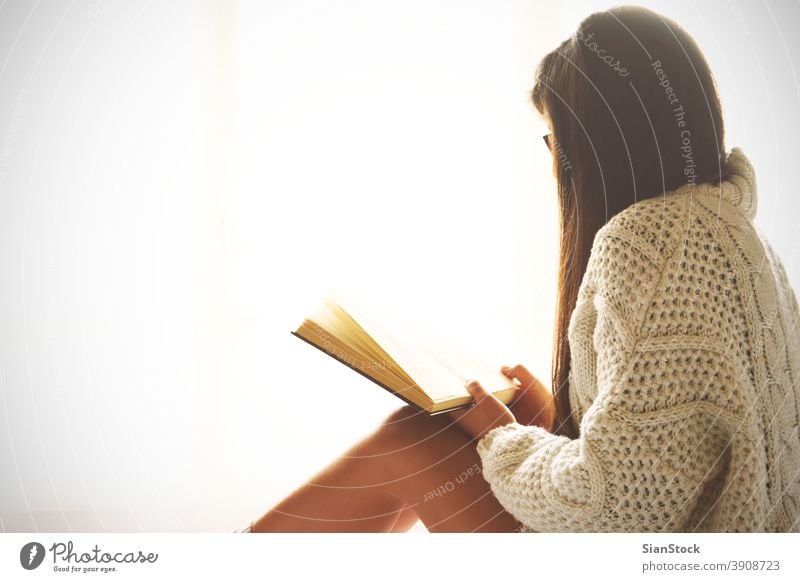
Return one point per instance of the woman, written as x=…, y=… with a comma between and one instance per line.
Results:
x=676, y=366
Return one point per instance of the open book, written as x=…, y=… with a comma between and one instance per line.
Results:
x=432, y=382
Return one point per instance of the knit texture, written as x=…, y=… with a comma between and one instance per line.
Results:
x=684, y=379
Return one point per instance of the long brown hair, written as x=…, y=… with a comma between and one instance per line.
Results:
x=624, y=95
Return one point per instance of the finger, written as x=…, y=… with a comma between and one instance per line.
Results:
x=520, y=373
x=482, y=396
x=487, y=404
x=476, y=390
x=456, y=415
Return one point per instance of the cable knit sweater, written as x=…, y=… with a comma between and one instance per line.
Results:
x=684, y=380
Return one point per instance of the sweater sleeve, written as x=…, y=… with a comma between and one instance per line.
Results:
x=648, y=442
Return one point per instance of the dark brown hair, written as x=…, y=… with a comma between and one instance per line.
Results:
x=635, y=112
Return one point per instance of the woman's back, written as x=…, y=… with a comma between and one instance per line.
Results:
x=757, y=320
x=684, y=379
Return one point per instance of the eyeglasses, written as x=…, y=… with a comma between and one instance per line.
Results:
x=546, y=138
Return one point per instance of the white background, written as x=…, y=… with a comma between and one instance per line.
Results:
x=180, y=182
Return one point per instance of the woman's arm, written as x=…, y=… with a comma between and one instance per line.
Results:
x=624, y=473
x=653, y=436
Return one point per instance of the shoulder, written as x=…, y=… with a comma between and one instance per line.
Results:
x=651, y=226
x=634, y=246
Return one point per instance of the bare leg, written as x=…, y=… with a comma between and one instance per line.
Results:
x=413, y=466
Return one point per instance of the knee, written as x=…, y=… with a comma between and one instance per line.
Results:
x=411, y=443
x=396, y=426
x=401, y=415
x=408, y=426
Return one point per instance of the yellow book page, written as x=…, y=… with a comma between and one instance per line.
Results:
x=427, y=372
x=347, y=329
x=438, y=366
x=462, y=362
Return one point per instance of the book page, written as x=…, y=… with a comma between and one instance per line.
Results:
x=441, y=369
x=460, y=360
x=428, y=373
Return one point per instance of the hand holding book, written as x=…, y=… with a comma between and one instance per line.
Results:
x=432, y=380
x=484, y=415
x=532, y=404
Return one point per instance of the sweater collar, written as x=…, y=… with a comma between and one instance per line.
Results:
x=739, y=189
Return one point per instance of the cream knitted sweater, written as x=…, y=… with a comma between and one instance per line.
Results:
x=685, y=380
